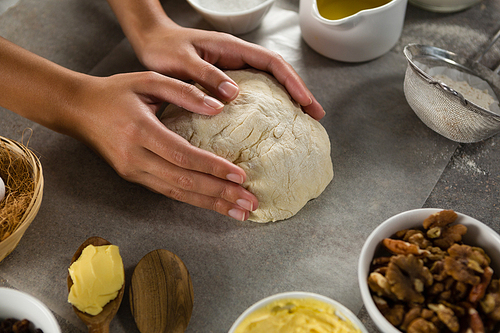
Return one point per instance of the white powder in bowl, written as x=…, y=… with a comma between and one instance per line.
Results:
x=229, y=6
x=476, y=96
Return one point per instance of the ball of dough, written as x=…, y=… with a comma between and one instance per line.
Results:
x=284, y=152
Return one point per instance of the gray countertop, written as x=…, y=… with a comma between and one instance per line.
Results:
x=385, y=161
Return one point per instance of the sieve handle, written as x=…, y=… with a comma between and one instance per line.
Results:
x=451, y=91
x=444, y=87
x=480, y=56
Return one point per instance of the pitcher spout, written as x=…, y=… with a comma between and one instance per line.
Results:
x=351, y=30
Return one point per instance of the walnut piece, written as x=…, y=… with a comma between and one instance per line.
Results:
x=393, y=314
x=420, y=325
x=408, y=277
x=450, y=235
x=441, y=232
x=464, y=263
x=410, y=316
x=491, y=302
x=446, y=316
x=417, y=237
x=478, y=291
x=397, y=246
x=440, y=219
x=379, y=284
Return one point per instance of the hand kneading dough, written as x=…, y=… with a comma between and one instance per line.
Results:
x=284, y=152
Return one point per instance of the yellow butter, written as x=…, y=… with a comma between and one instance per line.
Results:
x=296, y=316
x=97, y=277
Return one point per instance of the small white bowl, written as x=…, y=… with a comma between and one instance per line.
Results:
x=341, y=309
x=478, y=234
x=444, y=6
x=19, y=305
x=236, y=23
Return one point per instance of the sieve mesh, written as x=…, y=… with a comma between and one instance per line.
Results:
x=443, y=110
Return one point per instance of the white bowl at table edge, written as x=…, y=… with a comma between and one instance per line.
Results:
x=344, y=311
x=490, y=242
x=239, y=22
x=21, y=305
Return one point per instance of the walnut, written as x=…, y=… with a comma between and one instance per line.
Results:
x=414, y=236
x=461, y=290
x=490, y=304
x=438, y=271
x=435, y=253
x=394, y=315
x=381, y=261
x=436, y=289
x=446, y=316
x=419, y=239
x=427, y=314
x=401, y=233
x=397, y=246
x=474, y=321
x=453, y=290
x=410, y=316
x=440, y=219
x=464, y=262
x=379, y=284
x=450, y=235
x=457, y=309
x=408, y=276
x=441, y=232
x=420, y=325
x=483, y=254
x=478, y=291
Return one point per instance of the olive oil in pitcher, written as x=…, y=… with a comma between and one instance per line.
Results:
x=339, y=9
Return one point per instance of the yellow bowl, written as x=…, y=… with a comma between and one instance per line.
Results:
x=341, y=311
x=17, y=149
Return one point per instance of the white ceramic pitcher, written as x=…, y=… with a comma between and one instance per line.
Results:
x=363, y=36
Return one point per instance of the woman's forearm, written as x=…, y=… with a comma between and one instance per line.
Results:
x=137, y=18
x=36, y=88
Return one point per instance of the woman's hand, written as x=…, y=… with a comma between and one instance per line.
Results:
x=116, y=116
x=199, y=55
x=191, y=54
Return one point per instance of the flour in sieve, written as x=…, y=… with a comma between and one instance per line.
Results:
x=476, y=96
x=229, y=6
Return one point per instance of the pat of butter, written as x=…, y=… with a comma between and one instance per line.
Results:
x=97, y=277
x=297, y=316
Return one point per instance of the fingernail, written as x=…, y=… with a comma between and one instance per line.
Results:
x=235, y=178
x=213, y=103
x=228, y=90
x=237, y=214
x=245, y=204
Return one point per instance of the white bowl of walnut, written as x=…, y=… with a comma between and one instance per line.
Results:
x=431, y=270
x=22, y=311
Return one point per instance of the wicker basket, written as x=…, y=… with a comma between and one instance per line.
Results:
x=9, y=244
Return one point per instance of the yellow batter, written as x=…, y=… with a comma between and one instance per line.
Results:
x=97, y=277
x=296, y=316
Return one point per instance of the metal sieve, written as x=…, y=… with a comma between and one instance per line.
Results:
x=440, y=107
